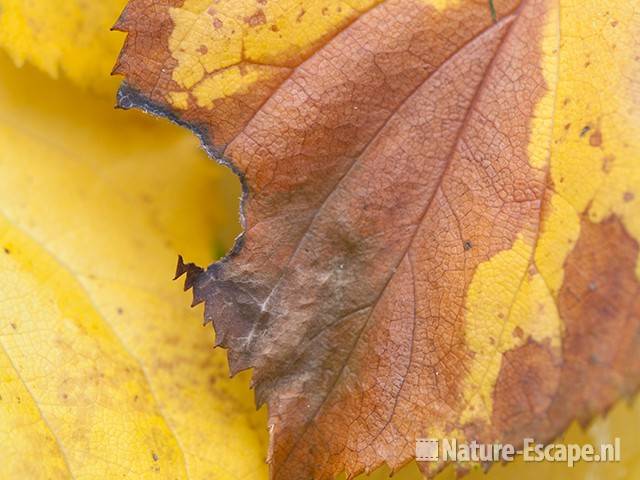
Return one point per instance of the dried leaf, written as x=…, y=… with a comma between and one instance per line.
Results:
x=441, y=211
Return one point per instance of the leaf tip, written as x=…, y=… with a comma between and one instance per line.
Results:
x=121, y=24
x=190, y=269
x=117, y=68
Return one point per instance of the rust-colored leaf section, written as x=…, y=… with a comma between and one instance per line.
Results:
x=536, y=394
x=399, y=275
x=600, y=304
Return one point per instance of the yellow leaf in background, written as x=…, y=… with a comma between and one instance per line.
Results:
x=105, y=371
x=63, y=35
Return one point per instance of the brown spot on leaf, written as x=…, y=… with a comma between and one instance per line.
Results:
x=607, y=163
x=595, y=140
x=628, y=197
x=257, y=19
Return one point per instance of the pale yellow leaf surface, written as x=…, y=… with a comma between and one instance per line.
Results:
x=63, y=36
x=105, y=371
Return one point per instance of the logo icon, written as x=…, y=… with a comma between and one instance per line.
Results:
x=427, y=450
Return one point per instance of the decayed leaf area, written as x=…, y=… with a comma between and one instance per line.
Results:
x=441, y=211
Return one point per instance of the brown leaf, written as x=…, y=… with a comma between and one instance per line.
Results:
x=432, y=245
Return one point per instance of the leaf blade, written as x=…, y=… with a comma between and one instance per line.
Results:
x=293, y=300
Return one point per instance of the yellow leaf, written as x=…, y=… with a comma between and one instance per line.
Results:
x=105, y=371
x=63, y=35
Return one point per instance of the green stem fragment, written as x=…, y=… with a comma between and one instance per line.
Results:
x=492, y=8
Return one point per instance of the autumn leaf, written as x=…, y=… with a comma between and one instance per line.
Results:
x=441, y=211
x=104, y=371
